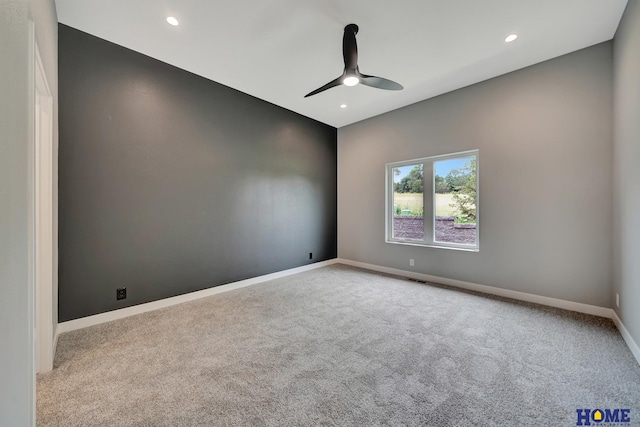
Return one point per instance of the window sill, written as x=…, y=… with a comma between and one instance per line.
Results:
x=432, y=245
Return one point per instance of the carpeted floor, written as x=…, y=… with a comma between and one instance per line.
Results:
x=341, y=346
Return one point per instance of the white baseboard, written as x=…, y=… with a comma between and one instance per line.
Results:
x=507, y=293
x=56, y=334
x=521, y=296
x=633, y=346
x=97, y=319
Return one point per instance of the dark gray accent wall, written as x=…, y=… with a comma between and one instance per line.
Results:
x=172, y=183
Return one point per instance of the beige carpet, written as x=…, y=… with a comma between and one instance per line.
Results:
x=340, y=346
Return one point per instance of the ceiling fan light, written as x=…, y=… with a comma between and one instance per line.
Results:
x=351, y=81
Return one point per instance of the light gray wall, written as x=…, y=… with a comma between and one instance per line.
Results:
x=17, y=374
x=545, y=173
x=16, y=357
x=627, y=168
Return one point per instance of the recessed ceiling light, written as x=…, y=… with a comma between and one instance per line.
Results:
x=343, y=106
x=173, y=21
x=511, y=37
x=351, y=81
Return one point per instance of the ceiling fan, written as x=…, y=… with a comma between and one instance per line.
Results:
x=351, y=75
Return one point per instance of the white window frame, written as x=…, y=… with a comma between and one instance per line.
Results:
x=428, y=202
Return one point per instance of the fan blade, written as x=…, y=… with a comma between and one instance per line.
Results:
x=379, y=82
x=333, y=83
x=350, y=48
x=350, y=56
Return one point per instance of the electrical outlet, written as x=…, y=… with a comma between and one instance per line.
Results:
x=618, y=300
x=411, y=262
x=121, y=293
x=310, y=255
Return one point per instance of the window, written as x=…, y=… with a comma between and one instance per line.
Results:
x=433, y=201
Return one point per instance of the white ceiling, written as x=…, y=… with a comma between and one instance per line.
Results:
x=279, y=50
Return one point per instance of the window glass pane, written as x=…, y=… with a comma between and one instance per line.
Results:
x=408, y=204
x=455, y=200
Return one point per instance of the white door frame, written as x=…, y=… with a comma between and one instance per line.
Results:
x=43, y=217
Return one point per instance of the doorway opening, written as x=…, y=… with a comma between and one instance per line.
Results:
x=45, y=303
